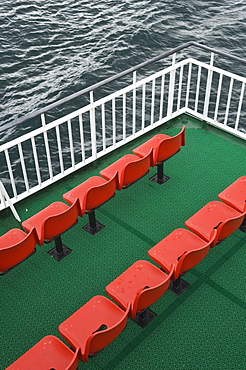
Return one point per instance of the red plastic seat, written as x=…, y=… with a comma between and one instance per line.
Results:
x=235, y=196
x=130, y=168
x=183, y=250
x=215, y=215
x=140, y=285
x=48, y=354
x=93, y=326
x=15, y=247
x=164, y=147
x=51, y=222
x=92, y=193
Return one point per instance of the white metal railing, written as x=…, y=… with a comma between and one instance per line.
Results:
x=35, y=160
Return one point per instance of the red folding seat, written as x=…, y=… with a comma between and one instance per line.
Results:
x=130, y=168
x=50, y=353
x=140, y=285
x=183, y=250
x=51, y=222
x=15, y=247
x=235, y=196
x=93, y=326
x=215, y=215
x=164, y=147
x=92, y=193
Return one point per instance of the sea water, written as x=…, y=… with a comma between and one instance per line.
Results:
x=51, y=49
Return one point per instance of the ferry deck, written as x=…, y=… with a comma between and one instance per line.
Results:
x=203, y=327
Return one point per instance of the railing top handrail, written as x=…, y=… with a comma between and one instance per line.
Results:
x=113, y=78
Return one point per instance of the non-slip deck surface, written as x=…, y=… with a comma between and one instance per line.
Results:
x=203, y=328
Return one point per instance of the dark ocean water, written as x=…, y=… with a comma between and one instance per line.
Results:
x=51, y=49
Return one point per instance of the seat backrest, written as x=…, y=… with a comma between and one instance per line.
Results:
x=226, y=228
x=191, y=258
x=13, y=254
x=169, y=146
x=58, y=224
x=99, y=194
x=235, y=195
x=73, y=365
x=101, y=339
x=147, y=296
x=135, y=170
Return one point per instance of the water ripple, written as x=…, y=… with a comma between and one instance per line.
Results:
x=51, y=49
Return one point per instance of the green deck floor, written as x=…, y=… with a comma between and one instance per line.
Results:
x=203, y=328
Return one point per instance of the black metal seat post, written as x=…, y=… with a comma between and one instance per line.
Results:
x=60, y=251
x=93, y=226
x=160, y=178
x=178, y=286
x=144, y=317
x=92, y=220
x=242, y=227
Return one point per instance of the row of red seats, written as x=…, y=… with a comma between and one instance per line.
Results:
x=51, y=222
x=206, y=228
x=100, y=321
x=90, y=334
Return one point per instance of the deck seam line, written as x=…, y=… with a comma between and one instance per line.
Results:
x=128, y=227
x=223, y=259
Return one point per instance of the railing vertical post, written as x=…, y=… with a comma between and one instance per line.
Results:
x=35, y=155
x=218, y=98
x=103, y=127
x=46, y=142
x=180, y=87
x=58, y=138
x=124, y=116
x=171, y=88
x=228, y=101
x=198, y=87
x=134, y=103
x=240, y=106
x=208, y=87
x=12, y=179
x=70, y=136
x=93, y=127
x=114, y=121
x=188, y=86
x=82, y=142
x=152, y=114
x=143, y=106
x=23, y=166
x=162, y=97
x=2, y=199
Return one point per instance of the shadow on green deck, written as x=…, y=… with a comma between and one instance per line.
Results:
x=203, y=328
